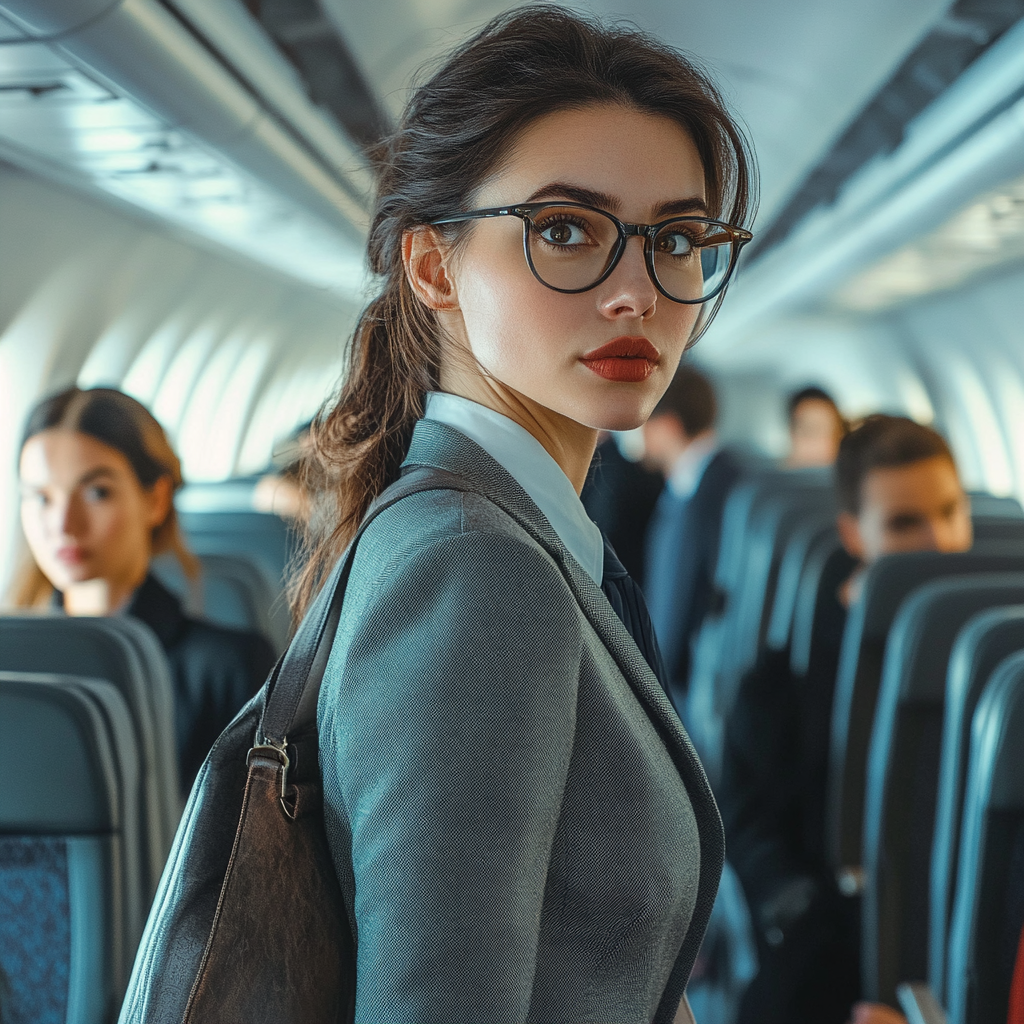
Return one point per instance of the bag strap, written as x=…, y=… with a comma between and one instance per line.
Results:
x=295, y=686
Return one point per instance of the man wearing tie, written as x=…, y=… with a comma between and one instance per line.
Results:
x=682, y=541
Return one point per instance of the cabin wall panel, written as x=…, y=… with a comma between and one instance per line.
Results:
x=92, y=292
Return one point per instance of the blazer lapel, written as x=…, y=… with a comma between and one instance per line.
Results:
x=437, y=444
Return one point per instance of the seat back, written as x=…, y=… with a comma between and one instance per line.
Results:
x=827, y=567
x=263, y=538
x=984, y=505
x=127, y=654
x=887, y=583
x=988, y=910
x=805, y=539
x=996, y=528
x=987, y=639
x=772, y=525
x=760, y=513
x=903, y=770
x=233, y=591
x=70, y=907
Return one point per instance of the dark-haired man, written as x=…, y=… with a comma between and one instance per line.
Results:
x=816, y=426
x=682, y=539
x=898, y=490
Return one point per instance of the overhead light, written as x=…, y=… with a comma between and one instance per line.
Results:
x=983, y=235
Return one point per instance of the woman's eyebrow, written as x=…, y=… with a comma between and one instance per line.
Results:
x=95, y=474
x=577, y=193
x=693, y=205
x=603, y=201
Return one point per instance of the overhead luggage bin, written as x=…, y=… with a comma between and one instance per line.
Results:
x=985, y=641
x=988, y=912
x=903, y=769
x=887, y=584
x=70, y=909
x=125, y=653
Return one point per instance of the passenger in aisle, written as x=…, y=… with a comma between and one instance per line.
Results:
x=682, y=543
x=488, y=709
x=816, y=426
x=898, y=490
x=97, y=477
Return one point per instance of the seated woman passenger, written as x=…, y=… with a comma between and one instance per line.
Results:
x=97, y=483
x=898, y=490
x=816, y=426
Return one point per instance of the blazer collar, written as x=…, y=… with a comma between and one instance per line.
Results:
x=439, y=445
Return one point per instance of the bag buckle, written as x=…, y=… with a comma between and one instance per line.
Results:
x=279, y=752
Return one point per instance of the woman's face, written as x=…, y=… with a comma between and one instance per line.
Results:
x=84, y=512
x=641, y=168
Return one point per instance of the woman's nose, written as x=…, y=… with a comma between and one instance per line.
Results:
x=67, y=518
x=629, y=290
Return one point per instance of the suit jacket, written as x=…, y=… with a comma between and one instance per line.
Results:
x=682, y=551
x=521, y=827
x=215, y=670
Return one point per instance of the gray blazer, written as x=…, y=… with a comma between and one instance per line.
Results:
x=521, y=827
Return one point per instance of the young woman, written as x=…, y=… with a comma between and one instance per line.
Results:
x=521, y=828
x=97, y=481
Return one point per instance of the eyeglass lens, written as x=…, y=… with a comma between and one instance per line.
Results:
x=572, y=247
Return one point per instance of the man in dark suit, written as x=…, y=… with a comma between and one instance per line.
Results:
x=682, y=544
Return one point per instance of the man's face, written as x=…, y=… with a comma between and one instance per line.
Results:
x=917, y=507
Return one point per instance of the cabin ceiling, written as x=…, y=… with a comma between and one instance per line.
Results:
x=795, y=71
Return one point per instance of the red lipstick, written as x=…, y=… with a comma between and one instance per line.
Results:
x=628, y=360
x=70, y=554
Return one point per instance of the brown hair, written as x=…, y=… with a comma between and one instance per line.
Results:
x=882, y=442
x=126, y=425
x=691, y=399
x=457, y=128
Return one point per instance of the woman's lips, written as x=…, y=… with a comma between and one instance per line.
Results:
x=70, y=555
x=628, y=360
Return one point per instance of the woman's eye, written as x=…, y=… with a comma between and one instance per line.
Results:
x=563, y=233
x=675, y=243
x=97, y=493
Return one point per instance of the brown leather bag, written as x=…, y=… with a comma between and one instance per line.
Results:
x=248, y=925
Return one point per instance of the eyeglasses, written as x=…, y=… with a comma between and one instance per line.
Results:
x=571, y=248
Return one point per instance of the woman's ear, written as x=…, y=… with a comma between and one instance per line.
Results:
x=160, y=498
x=424, y=254
x=850, y=535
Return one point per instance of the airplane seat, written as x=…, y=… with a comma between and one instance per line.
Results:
x=127, y=654
x=71, y=911
x=987, y=639
x=827, y=567
x=262, y=537
x=984, y=505
x=804, y=540
x=903, y=769
x=233, y=591
x=995, y=528
x=886, y=585
x=757, y=507
x=771, y=527
x=988, y=910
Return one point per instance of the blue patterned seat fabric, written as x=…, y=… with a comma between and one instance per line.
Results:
x=35, y=938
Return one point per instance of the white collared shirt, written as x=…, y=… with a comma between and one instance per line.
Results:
x=689, y=467
x=529, y=463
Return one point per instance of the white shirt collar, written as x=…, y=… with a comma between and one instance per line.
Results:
x=689, y=467
x=529, y=463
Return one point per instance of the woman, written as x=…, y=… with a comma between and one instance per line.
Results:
x=97, y=483
x=520, y=826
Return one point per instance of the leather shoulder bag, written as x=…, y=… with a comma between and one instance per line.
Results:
x=248, y=924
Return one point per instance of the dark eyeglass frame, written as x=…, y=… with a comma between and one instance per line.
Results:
x=648, y=232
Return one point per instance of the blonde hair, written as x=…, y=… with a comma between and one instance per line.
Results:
x=119, y=421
